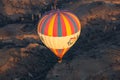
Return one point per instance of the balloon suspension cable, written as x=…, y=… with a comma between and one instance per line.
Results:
x=55, y=3
x=59, y=60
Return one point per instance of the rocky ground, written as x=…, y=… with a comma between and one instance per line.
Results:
x=95, y=56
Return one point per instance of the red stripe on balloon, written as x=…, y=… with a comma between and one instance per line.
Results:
x=41, y=23
x=76, y=20
x=55, y=30
x=59, y=52
x=71, y=24
x=47, y=26
x=64, y=33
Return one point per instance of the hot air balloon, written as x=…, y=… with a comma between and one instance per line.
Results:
x=59, y=30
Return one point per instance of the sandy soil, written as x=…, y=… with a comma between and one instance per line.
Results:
x=95, y=56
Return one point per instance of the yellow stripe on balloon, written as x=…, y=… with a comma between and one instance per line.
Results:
x=74, y=18
x=54, y=51
x=51, y=25
x=68, y=28
x=65, y=50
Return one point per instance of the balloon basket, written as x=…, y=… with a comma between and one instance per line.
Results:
x=59, y=60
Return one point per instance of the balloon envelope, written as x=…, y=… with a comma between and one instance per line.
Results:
x=59, y=30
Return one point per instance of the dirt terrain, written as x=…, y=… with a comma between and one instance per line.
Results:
x=95, y=56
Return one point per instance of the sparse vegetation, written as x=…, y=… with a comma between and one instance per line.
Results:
x=95, y=56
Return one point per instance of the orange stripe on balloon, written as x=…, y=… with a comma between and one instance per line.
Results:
x=54, y=51
x=59, y=55
x=68, y=29
x=65, y=50
x=75, y=19
x=47, y=25
x=41, y=22
x=55, y=31
x=51, y=25
x=71, y=24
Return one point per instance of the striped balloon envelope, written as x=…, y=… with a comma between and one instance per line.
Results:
x=59, y=30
